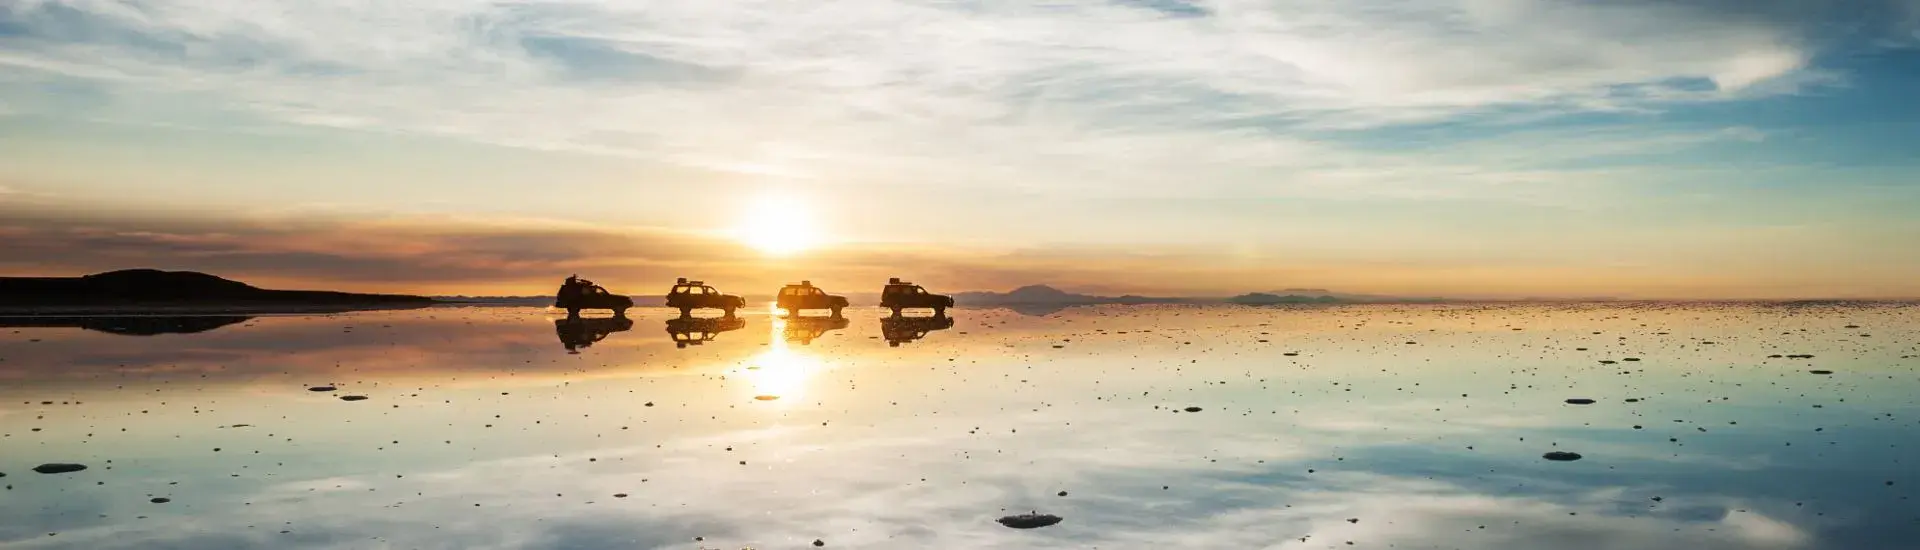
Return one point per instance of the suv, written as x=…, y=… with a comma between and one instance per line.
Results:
x=794, y=298
x=578, y=294
x=691, y=295
x=901, y=295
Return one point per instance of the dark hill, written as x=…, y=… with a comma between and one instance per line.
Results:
x=152, y=288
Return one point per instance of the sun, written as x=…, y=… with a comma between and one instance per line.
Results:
x=779, y=226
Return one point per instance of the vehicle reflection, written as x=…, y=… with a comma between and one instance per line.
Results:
x=693, y=331
x=899, y=330
x=803, y=330
x=130, y=326
x=581, y=332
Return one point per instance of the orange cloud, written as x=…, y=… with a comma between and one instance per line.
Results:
x=449, y=255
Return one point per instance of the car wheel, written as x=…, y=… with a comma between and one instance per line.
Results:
x=685, y=311
x=620, y=312
x=896, y=312
x=573, y=312
x=939, y=312
x=836, y=312
x=729, y=312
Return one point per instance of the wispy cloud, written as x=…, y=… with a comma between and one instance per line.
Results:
x=320, y=248
x=1007, y=93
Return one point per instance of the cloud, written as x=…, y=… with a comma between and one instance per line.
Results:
x=457, y=255
x=985, y=93
x=324, y=249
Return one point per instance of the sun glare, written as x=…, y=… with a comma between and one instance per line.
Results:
x=779, y=226
x=780, y=373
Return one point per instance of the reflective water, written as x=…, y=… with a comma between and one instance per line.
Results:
x=1363, y=427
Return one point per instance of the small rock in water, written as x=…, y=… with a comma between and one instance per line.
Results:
x=1821, y=371
x=1192, y=409
x=1561, y=456
x=353, y=398
x=160, y=500
x=818, y=542
x=1029, y=521
x=766, y=397
x=1579, y=401
x=58, y=468
x=322, y=388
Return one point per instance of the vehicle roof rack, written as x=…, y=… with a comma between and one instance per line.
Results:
x=682, y=281
x=895, y=281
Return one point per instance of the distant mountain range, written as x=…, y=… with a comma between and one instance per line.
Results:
x=152, y=290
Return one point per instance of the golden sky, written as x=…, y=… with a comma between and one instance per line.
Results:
x=1683, y=149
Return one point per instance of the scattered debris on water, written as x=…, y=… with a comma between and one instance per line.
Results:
x=1030, y=520
x=59, y=468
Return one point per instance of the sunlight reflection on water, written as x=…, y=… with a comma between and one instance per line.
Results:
x=1384, y=426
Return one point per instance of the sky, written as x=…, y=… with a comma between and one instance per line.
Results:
x=1466, y=148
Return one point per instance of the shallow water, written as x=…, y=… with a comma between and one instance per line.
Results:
x=1390, y=427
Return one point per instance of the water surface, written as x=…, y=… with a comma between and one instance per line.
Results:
x=1329, y=427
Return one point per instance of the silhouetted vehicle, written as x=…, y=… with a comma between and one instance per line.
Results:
x=690, y=331
x=804, y=330
x=900, y=295
x=691, y=295
x=794, y=298
x=576, y=333
x=898, y=330
x=578, y=294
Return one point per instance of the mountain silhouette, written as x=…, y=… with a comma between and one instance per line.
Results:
x=153, y=288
